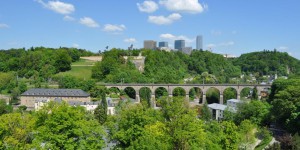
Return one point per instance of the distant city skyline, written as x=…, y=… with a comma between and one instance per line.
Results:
x=227, y=27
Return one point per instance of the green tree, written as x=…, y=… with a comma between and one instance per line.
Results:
x=231, y=136
x=254, y=95
x=247, y=132
x=205, y=113
x=4, y=108
x=101, y=110
x=257, y=112
x=62, y=61
x=16, y=131
x=60, y=126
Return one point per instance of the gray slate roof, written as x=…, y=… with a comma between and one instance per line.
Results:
x=56, y=93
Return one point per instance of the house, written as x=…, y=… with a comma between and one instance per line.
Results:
x=233, y=103
x=217, y=110
x=29, y=97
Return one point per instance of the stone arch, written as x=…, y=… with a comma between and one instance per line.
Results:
x=130, y=92
x=145, y=94
x=213, y=95
x=196, y=95
x=230, y=93
x=245, y=92
x=114, y=92
x=160, y=91
x=179, y=91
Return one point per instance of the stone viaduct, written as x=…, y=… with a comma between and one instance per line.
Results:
x=187, y=87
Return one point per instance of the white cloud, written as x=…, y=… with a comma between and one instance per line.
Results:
x=130, y=40
x=283, y=48
x=172, y=38
x=3, y=25
x=189, y=6
x=230, y=43
x=69, y=18
x=89, y=22
x=58, y=6
x=114, y=28
x=75, y=45
x=162, y=20
x=147, y=6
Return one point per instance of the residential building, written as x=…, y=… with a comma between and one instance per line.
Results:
x=89, y=106
x=150, y=44
x=179, y=44
x=199, y=42
x=163, y=44
x=233, y=103
x=29, y=97
x=217, y=110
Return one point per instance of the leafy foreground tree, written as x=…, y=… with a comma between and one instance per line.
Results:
x=174, y=126
x=16, y=131
x=59, y=126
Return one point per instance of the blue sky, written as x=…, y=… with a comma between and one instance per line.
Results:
x=228, y=27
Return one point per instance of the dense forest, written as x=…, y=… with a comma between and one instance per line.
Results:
x=200, y=66
x=268, y=62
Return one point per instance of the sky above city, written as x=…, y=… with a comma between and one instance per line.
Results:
x=228, y=27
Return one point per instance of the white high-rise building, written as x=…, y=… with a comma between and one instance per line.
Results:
x=199, y=42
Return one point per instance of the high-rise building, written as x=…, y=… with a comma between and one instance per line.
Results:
x=179, y=44
x=199, y=42
x=149, y=44
x=163, y=44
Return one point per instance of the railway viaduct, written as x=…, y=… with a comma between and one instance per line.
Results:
x=187, y=87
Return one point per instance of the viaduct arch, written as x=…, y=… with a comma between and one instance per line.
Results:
x=187, y=87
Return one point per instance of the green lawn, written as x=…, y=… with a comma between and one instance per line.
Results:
x=82, y=72
x=84, y=62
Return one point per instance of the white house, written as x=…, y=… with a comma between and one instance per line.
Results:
x=217, y=110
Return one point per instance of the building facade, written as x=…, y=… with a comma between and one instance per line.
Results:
x=163, y=44
x=179, y=44
x=29, y=97
x=150, y=44
x=199, y=42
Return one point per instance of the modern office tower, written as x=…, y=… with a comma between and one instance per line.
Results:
x=187, y=50
x=163, y=44
x=149, y=44
x=179, y=44
x=199, y=42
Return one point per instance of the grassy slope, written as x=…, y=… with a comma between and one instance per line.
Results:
x=81, y=69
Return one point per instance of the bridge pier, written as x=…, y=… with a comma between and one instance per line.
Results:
x=170, y=95
x=187, y=97
x=137, y=98
x=238, y=96
x=153, y=103
x=221, y=99
x=204, y=98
